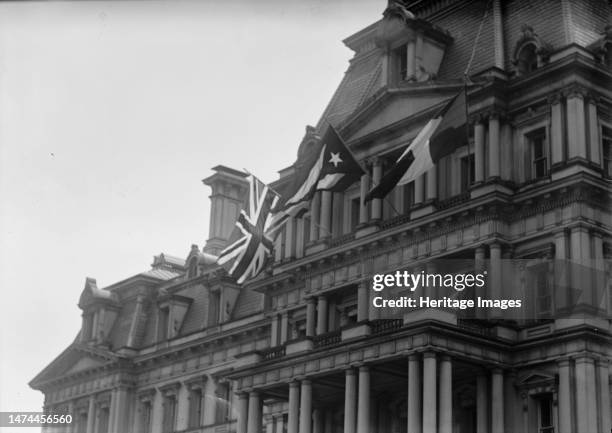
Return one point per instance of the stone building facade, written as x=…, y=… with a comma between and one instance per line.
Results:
x=300, y=349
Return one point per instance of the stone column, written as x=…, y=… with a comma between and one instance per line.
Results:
x=430, y=399
x=317, y=421
x=376, y=177
x=410, y=60
x=325, y=226
x=603, y=377
x=446, y=395
x=284, y=327
x=586, y=399
x=274, y=334
x=350, y=401
x=479, y=151
x=556, y=128
x=482, y=403
x=479, y=265
x=576, y=131
x=498, y=34
x=322, y=315
x=294, y=407
x=581, y=254
x=494, y=146
x=414, y=399
x=289, y=237
x=564, y=396
x=315, y=211
x=242, y=410
x=363, y=207
x=495, y=289
x=562, y=296
x=306, y=407
x=363, y=411
x=432, y=183
x=311, y=311
x=497, y=401
x=594, y=143
x=254, y=416
x=91, y=415
x=363, y=301
x=279, y=424
x=182, y=407
x=419, y=189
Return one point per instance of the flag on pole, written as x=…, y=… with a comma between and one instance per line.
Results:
x=441, y=136
x=245, y=258
x=329, y=166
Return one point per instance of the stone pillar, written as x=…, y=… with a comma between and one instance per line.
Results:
x=414, y=399
x=482, y=403
x=562, y=296
x=564, y=396
x=274, y=334
x=182, y=407
x=556, y=129
x=586, y=398
x=576, y=131
x=479, y=265
x=581, y=255
x=363, y=301
x=242, y=410
x=363, y=411
x=594, y=143
x=294, y=407
x=363, y=207
x=603, y=377
x=279, y=424
x=317, y=421
x=432, y=183
x=325, y=226
x=289, y=238
x=498, y=34
x=91, y=415
x=284, y=327
x=376, y=177
x=430, y=399
x=306, y=407
x=494, y=146
x=497, y=401
x=410, y=60
x=479, y=151
x=495, y=279
x=419, y=189
x=315, y=211
x=254, y=416
x=157, y=413
x=446, y=395
x=350, y=401
x=311, y=311
x=322, y=315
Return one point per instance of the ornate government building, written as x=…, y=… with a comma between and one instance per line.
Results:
x=300, y=349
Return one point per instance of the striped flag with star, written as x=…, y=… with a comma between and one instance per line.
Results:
x=332, y=167
x=246, y=257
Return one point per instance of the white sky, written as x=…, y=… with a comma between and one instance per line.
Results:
x=111, y=113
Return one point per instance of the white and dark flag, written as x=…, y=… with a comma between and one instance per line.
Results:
x=441, y=136
x=246, y=257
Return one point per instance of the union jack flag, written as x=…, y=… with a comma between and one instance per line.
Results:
x=246, y=257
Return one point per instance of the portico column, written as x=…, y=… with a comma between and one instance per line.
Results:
x=306, y=407
x=121, y=409
x=482, y=403
x=350, y=401
x=326, y=207
x=495, y=290
x=315, y=213
x=430, y=399
x=376, y=177
x=363, y=411
x=317, y=420
x=576, y=124
x=242, y=409
x=284, y=327
x=254, y=416
x=479, y=151
x=289, y=244
x=362, y=301
x=603, y=376
x=586, y=400
x=363, y=207
x=311, y=310
x=497, y=400
x=564, y=397
x=294, y=407
x=419, y=183
x=432, y=183
x=556, y=128
x=594, y=142
x=414, y=399
x=322, y=315
x=91, y=415
x=410, y=60
x=494, y=170
x=446, y=395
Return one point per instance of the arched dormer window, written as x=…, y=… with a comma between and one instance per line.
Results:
x=530, y=52
x=527, y=60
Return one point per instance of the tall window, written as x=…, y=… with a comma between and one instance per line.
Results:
x=222, y=403
x=88, y=327
x=401, y=54
x=214, y=309
x=195, y=407
x=468, y=167
x=527, y=59
x=103, y=417
x=408, y=196
x=146, y=410
x=545, y=413
x=606, y=142
x=355, y=209
x=162, y=324
x=169, y=413
x=539, y=153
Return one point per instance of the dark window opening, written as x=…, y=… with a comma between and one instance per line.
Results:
x=606, y=142
x=169, y=414
x=164, y=317
x=195, y=407
x=355, y=210
x=527, y=59
x=408, y=196
x=214, y=308
x=545, y=414
x=537, y=142
x=468, y=168
x=401, y=55
x=145, y=417
x=222, y=403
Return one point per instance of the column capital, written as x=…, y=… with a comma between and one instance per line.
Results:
x=554, y=98
x=414, y=357
x=575, y=91
x=349, y=371
x=495, y=113
x=294, y=384
x=446, y=358
x=429, y=354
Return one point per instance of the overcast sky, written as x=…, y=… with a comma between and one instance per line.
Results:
x=111, y=114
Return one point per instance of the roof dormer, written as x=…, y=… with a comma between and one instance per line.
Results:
x=100, y=308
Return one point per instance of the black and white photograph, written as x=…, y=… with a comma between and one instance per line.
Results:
x=306, y=216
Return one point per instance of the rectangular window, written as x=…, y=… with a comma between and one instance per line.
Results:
x=306, y=230
x=195, y=407
x=146, y=410
x=88, y=327
x=103, y=420
x=606, y=142
x=169, y=414
x=539, y=153
x=408, y=196
x=214, y=308
x=162, y=330
x=468, y=168
x=222, y=403
x=401, y=54
x=355, y=210
x=545, y=414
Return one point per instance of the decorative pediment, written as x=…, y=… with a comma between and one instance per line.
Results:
x=92, y=294
x=84, y=363
x=535, y=379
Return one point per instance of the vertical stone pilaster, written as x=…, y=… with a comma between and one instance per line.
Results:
x=479, y=151
x=322, y=315
x=414, y=399
x=432, y=183
x=242, y=410
x=494, y=145
x=419, y=189
x=498, y=34
x=482, y=403
x=363, y=208
x=294, y=408
x=363, y=301
x=254, y=416
x=556, y=129
x=446, y=395
x=306, y=407
x=311, y=312
x=603, y=378
x=564, y=396
x=430, y=399
x=497, y=401
x=315, y=213
x=350, y=401
x=376, y=177
x=363, y=411
x=586, y=399
x=576, y=128
x=325, y=225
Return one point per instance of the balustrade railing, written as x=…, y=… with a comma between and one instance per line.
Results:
x=327, y=339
